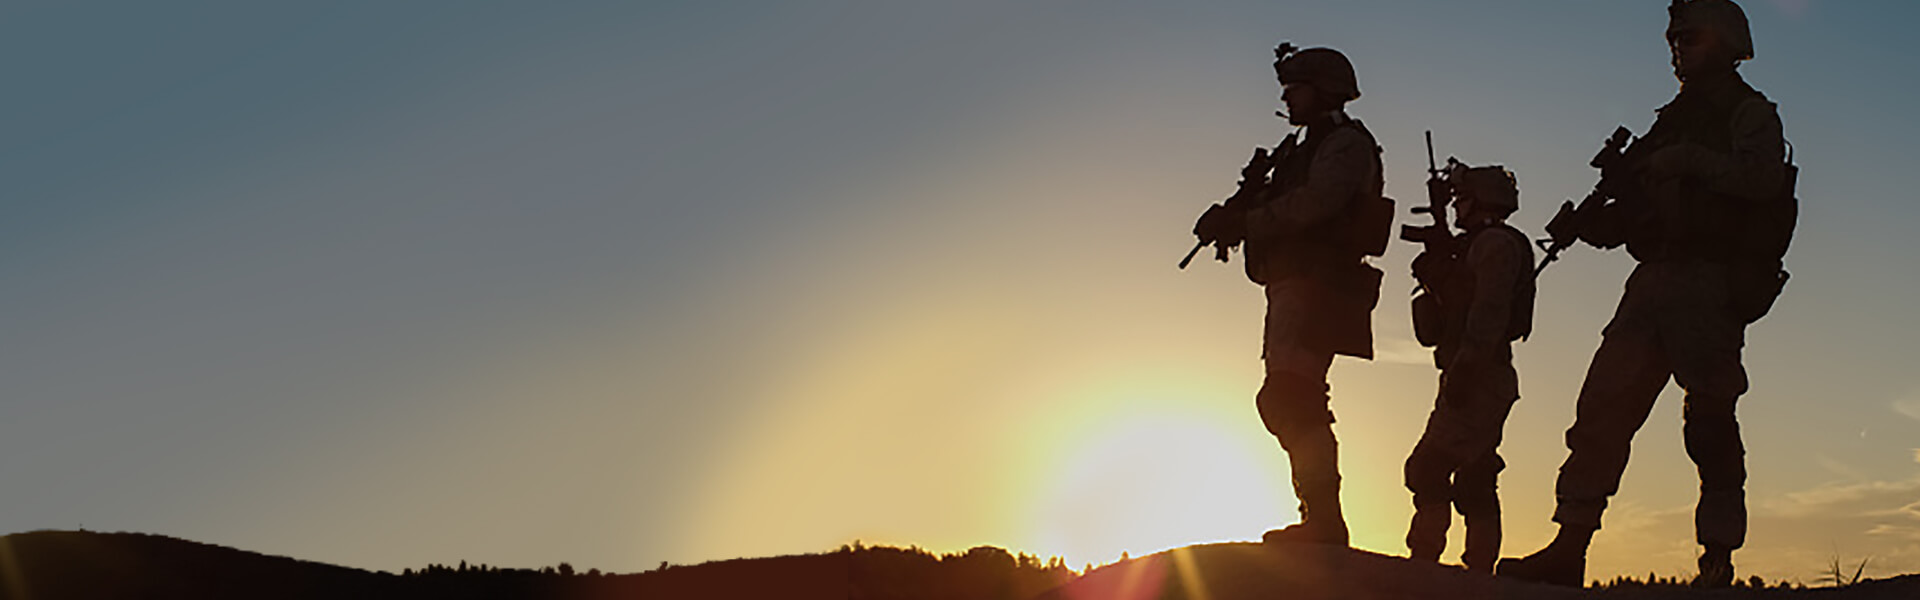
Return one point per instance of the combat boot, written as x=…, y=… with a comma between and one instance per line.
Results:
x=1321, y=522
x=1562, y=562
x=1326, y=531
x=1427, y=534
x=1716, y=568
x=1483, y=543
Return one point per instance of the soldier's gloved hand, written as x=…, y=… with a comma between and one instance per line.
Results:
x=1218, y=223
x=1439, y=192
x=1258, y=166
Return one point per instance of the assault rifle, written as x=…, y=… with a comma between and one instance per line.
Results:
x=1223, y=225
x=1616, y=160
x=1437, y=237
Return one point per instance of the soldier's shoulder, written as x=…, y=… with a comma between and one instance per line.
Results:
x=1744, y=95
x=1354, y=128
x=1503, y=239
x=1350, y=136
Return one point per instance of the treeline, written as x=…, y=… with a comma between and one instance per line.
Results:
x=982, y=573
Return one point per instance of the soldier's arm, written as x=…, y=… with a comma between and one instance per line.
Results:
x=1755, y=168
x=1496, y=265
x=1606, y=228
x=1340, y=167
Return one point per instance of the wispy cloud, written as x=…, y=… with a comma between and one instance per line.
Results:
x=1908, y=405
x=1844, y=499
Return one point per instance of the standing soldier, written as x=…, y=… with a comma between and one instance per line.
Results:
x=1704, y=203
x=1309, y=214
x=1477, y=299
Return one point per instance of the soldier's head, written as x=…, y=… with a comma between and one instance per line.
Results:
x=1483, y=195
x=1707, y=37
x=1314, y=82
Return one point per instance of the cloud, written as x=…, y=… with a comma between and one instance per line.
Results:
x=1905, y=532
x=1909, y=406
x=1872, y=497
x=1912, y=510
x=1916, y=455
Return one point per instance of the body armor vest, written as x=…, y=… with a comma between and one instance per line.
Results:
x=1323, y=249
x=1682, y=219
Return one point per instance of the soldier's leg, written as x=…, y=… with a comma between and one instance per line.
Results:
x=1624, y=379
x=1476, y=486
x=1428, y=474
x=1293, y=404
x=1444, y=446
x=1476, y=495
x=1622, y=382
x=1705, y=343
x=1294, y=407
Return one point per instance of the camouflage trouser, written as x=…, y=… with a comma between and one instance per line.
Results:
x=1456, y=461
x=1293, y=399
x=1673, y=322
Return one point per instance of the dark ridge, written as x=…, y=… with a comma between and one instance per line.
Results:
x=82, y=565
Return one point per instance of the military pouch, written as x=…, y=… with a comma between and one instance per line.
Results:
x=1372, y=226
x=1350, y=320
x=1752, y=289
x=1429, y=319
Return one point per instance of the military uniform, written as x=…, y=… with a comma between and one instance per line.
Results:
x=1705, y=203
x=1721, y=153
x=1486, y=293
x=1320, y=295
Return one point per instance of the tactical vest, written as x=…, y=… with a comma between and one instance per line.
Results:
x=1700, y=223
x=1361, y=228
x=1440, y=311
x=1750, y=236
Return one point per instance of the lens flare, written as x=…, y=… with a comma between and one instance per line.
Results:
x=1157, y=479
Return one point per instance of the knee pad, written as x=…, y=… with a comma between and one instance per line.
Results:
x=1428, y=477
x=1292, y=404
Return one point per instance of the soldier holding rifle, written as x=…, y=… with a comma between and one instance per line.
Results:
x=1705, y=203
x=1308, y=214
x=1476, y=298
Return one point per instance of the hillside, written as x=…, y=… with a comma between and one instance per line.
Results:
x=1246, y=571
x=81, y=565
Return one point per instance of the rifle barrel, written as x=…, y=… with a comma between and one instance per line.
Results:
x=1430, y=168
x=1196, y=250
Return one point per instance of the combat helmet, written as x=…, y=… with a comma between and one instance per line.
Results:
x=1723, y=17
x=1325, y=68
x=1493, y=187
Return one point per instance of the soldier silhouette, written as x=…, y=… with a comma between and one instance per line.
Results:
x=1704, y=202
x=1476, y=299
x=1309, y=213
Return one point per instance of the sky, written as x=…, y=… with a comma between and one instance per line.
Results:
x=614, y=283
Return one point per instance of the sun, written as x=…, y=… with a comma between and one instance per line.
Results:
x=1160, y=478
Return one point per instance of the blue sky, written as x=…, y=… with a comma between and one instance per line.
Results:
x=385, y=285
